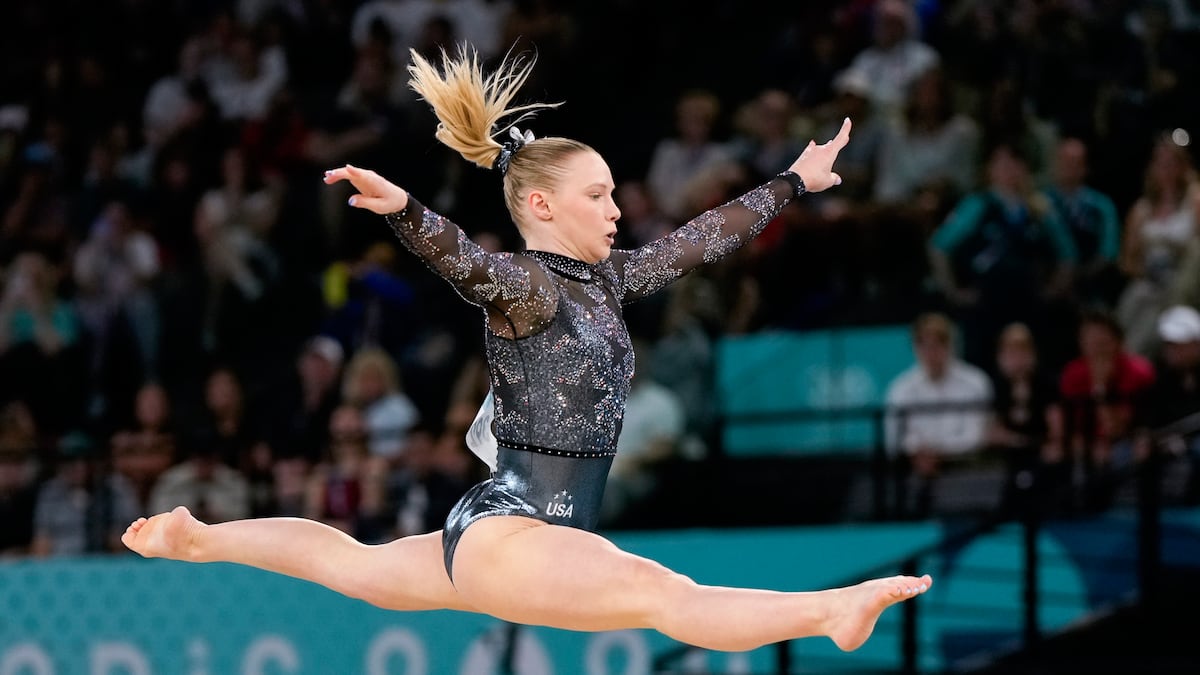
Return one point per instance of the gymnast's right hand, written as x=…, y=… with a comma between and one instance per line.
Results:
x=375, y=193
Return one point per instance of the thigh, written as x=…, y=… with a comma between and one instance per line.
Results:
x=409, y=575
x=526, y=571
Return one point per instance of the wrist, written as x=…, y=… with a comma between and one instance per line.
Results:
x=797, y=183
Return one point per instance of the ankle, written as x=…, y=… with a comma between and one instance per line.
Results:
x=194, y=538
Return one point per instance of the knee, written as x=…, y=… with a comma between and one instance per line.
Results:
x=673, y=592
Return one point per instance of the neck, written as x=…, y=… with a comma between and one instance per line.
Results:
x=550, y=244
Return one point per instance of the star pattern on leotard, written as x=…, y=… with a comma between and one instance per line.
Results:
x=507, y=285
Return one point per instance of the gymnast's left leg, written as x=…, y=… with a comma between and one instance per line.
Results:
x=526, y=571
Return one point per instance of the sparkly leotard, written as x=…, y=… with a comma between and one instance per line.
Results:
x=559, y=355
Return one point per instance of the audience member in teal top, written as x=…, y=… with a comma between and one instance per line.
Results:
x=1002, y=255
x=30, y=311
x=1091, y=218
x=40, y=343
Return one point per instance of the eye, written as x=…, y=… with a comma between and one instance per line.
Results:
x=596, y=197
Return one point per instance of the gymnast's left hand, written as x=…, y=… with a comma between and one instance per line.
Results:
x=375, y=193
x=815, y=164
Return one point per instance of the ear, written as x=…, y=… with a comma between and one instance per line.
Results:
x=539, y=205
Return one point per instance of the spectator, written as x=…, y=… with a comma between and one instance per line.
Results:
x=1102, y=391
x=641, y=219
x=1162, y=227
x=115, y=270
x=300, y=426
x=346, y=489
x=897, y=56
x=858, y=161
x=212, y=491
x=40, y=343
x=367, y=301
x=232, y=427
x=1022, y=411
x=18, y=491
x=1091, y=218
x=1175, y=394
x=929, y=153
x=83, y=508
x=245, y=78
x=144, y=451
x=167, y=103
x=937, y=411
x=372, y=385
x=1002, y=255
x=476, y=22
x=764, y=141
x=437, y=470
x=676, y=162
x=1007, y=119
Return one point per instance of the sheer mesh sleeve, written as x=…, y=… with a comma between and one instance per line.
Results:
x=707, y=238
x=520, y=299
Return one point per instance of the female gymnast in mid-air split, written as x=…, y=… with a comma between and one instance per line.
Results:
x=520, y=545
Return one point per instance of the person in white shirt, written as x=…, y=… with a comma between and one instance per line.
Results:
x=896, y=58
x=937, y=409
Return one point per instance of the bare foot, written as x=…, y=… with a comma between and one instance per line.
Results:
x=857, y=608
x=168, y=535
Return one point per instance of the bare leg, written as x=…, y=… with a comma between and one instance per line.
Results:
x=406, y=574
x=524, y=571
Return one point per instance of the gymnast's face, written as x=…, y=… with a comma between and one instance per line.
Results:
x=581, y=208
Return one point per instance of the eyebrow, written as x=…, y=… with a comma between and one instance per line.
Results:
x=603, y=186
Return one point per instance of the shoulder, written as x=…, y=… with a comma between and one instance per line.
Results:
x=971, y=377
x=1139, y=369
x=904, y=385
x=1076, y=379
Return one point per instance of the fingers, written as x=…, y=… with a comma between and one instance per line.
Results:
x=358, y=177
x=837, y=179
x=373, y=204
x=843, y=136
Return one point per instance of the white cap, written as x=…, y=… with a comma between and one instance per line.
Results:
x=1180, y=323
x=853, y=81
x=327, y=348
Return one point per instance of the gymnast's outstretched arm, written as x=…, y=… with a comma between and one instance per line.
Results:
x=718, y=232
x=514, y=290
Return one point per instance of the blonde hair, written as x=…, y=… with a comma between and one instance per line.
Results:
x=469, y=105
x=369, y=358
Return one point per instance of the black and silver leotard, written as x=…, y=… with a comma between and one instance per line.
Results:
x=559, y=356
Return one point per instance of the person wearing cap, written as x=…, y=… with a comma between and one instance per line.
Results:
x=1175, y=394
x=896, y=57
x=521, y=545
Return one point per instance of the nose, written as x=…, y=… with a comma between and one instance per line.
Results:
x=614, y=213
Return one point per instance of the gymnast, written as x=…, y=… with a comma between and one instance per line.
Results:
x=520, y=546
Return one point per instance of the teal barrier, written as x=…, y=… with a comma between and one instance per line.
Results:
x=812, y=371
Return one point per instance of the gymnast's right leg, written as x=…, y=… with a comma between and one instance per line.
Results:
x=406, y=574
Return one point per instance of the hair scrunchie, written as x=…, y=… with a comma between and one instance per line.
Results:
x=510, y=148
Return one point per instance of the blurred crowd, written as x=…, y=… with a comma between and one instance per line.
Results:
x=188, y=316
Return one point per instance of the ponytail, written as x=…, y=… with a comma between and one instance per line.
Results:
x=469, y=104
